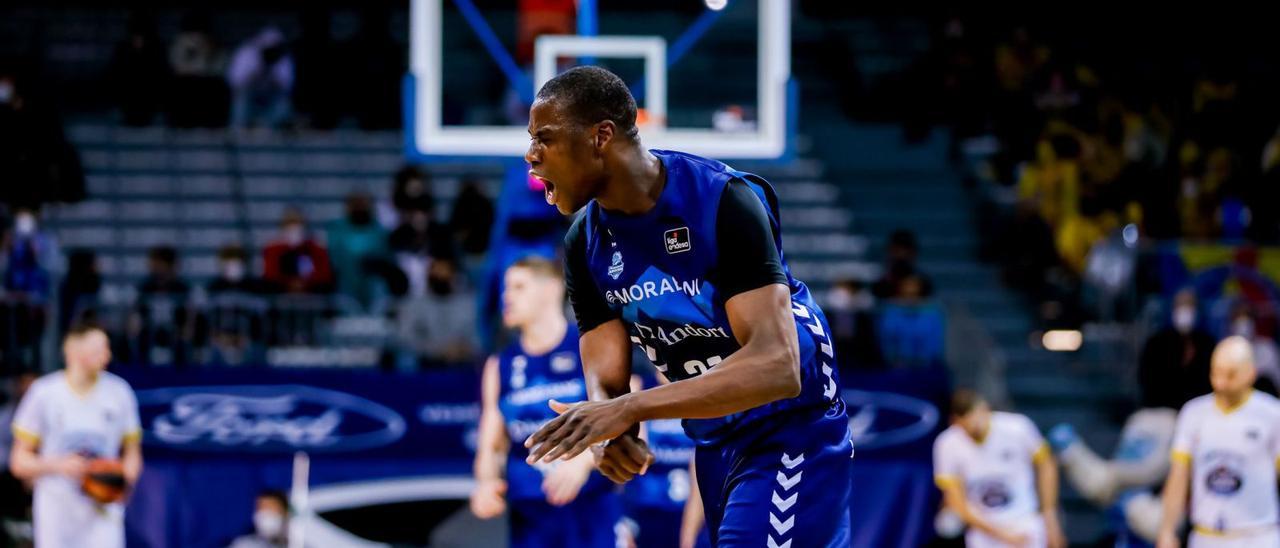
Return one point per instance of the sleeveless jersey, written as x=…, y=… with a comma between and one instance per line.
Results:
x=528, y=382
x=657, y=271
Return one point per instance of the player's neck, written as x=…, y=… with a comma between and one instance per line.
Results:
x=81, y=381
x=1230, y=402
x=635, y=183
x=544, y=335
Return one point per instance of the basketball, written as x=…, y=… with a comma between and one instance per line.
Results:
x=104, y=481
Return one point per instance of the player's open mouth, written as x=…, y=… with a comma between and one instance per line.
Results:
x=548, y=188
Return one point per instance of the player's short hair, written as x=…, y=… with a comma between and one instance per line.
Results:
x=276, y=495
x=964, y=400
x=82, y=328
x=590, y=95
x=541, y=266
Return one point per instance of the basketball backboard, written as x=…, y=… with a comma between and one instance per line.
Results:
x=700, y=87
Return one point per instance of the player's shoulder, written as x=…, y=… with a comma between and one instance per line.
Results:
x=115, y=382
x=1197, y=406
x=573, y=237
x=1012, y=421
x=1266, y=401
x=45, y=383
x=950, y=436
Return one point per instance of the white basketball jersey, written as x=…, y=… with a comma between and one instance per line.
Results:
x=62, y=423
x=1233, y=455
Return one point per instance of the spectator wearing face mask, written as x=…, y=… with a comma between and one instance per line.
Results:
x=853, y=328
x=31, y=255
x=294, y=261
x=440, y=325
x=233, y=273
x=356, y=245
x=270, y=523
x=1174, y=364
x=1266, y=357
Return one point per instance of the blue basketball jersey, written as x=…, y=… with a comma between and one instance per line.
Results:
x=657, y=271
x=528, y=382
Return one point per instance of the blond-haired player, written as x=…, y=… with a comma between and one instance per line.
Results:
x=1225, y=446
x=66, y=419
x=996, y=472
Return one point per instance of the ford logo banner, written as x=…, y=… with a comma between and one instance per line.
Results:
x=885, y=419
x=266, y=418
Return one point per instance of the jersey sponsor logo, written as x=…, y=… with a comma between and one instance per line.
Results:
x=1224, y=480
x=672, y=456
x=650, y=289
x=266, y=418
x=543, y=392
x=675, y=335
x=992, y=493
x=564, y=362
x=615, y=267
x=677, y=240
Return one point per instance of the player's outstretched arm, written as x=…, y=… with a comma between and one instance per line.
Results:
x=765, y=369
x=488, y=500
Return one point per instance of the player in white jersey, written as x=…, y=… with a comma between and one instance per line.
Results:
x=66, y=419
x=996, y=472
x=1226, y=446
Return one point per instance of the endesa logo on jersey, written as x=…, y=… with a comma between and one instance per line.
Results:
x=266, y=418
x=677, y=240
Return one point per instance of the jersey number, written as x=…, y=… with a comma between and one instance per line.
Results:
x=696, y=367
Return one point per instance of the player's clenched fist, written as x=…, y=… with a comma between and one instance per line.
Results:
x=488, y=500
x=579, y=426
x=623, y=457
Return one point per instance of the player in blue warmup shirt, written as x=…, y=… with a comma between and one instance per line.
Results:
x=551, y=505
x=662, y=503
x=682, y=256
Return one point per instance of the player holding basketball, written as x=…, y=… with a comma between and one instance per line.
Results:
x=551, y=504
x=66, y=419
x=1226, y=447
x=682, y=256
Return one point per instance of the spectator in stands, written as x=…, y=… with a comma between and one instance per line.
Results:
x=233, y=273
x=472, y=218
x=1174, y=364
x=138, y=74
x=900, y=263
x=415, y=242
x=294, y=262
x=1266, y=357
x=33, y=148
x=440, y=326
x=410, y=192
x=912, y=330
x=200, y=95
x=357, y=246
x=31, y=258
x=270, y=523
x=853, y=329
x=261, y=81
x=79, y=291
x=161, y=320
